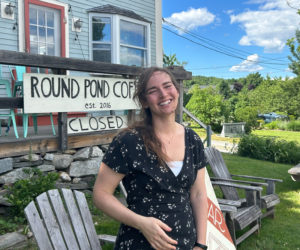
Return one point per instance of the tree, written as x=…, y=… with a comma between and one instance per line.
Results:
x=224, y=89
x=294, y=44
x=172, y=60
x=252, y=80
x=237, y=87
x=209, y=107
x=248, y=115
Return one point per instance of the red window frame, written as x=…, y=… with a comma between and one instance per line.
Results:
x=62, y=23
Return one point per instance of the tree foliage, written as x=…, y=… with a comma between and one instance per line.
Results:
x=171, y=60
x=294, y=44
x=208, y=106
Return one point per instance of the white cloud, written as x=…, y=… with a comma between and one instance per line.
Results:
x=191, y=19
x=270, y=26
x=249, y=65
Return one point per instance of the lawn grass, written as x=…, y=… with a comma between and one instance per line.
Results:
x=281, y=233
x=280, y=134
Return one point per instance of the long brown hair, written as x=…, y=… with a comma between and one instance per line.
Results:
x=145, y=126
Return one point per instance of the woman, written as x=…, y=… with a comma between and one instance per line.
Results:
x=161, y=164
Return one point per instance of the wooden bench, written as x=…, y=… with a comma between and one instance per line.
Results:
x=62, y=220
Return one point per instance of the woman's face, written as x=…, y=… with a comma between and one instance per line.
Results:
x=161, y=94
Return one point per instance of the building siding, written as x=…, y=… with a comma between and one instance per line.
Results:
x=79, y=47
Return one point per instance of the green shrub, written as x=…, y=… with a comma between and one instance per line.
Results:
x=293, y=126
x=269, y=149
x=7, y=226
x=271, y=125
x=26, y=190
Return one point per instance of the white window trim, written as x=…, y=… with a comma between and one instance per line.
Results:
x=91, y=35
x=115, y=36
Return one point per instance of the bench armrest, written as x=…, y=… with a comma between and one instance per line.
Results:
x=256, y=177
x=228, y=208
x=239, y=181
x=229, y=202
x=229, y=184
x=105, y=238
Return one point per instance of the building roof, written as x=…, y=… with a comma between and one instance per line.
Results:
x=110, y=9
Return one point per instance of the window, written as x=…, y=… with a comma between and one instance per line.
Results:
x=44, y=28
x=118, y=39
x=101, y=38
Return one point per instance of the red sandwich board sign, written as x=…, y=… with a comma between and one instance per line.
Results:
x=218, y=236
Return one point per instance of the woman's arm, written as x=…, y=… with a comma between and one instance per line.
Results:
x=199, y=205
x=153, y=229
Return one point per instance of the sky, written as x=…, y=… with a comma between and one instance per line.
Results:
x=231, y=38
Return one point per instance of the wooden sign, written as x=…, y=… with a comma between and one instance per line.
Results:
x=45, y=93
x=96, y=123
x=218, y=236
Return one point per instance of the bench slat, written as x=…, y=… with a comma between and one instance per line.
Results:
x=87, y=220
x=37, y=227
x=63, y=219
x=76, y=219
x=50, y=222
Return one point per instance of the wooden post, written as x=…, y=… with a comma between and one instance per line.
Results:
x=208, y=135
x=179, y=110
x=62, y=122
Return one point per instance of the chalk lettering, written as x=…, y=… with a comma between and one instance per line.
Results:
x=56, y=87
x=114, y=89
x=110, y=122
x=81, y=126
x=70, y=124
x=96, y=88
x=46, y=82
x=103, y=123
x=33, y=83
x=89, y=105
x=119, y=121
x=93, y=123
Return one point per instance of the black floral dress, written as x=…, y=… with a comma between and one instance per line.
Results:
x=154, y=190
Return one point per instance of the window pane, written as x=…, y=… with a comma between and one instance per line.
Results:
x=102, y=52
x=41, y=15
x=33, y=48
x=42, y=49
x=32, y=16
x=33, y=33
x=102, y=56
x=50, y=48
x=132, y=34
x=101, y=29
x=50, y=35
x=130, y=56
x=50, y=19
x=42, y=34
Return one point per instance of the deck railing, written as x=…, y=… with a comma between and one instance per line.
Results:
x=207, y=140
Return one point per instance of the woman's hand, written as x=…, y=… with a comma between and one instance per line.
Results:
x=154, y=231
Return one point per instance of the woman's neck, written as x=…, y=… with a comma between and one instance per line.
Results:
x=165, y=126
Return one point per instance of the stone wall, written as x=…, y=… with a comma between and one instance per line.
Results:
x=77, y=169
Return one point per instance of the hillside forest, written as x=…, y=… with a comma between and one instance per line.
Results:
x=216, y=100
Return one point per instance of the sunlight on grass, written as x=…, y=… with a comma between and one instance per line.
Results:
x=283, y=231
x=281, y=134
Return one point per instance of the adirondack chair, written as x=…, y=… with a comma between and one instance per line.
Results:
x=218, y=166
x=63, y=221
